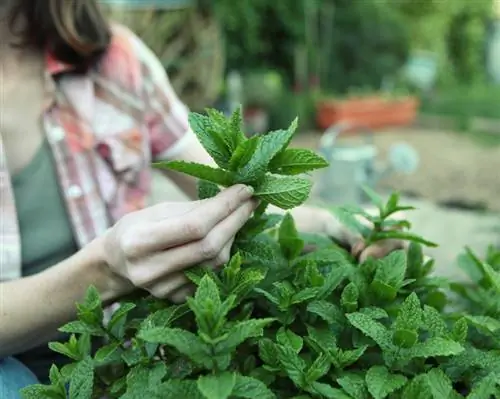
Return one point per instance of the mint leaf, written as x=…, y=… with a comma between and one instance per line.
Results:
x=288, y=238
x=381, y=383
x=325, y=310
x=241, y=331
x=294, y=161
x=290, y=339
x=439, y=383
x=284, y=192
x=402, y=235
x=204, y=172
x=389, y=275
x=436, y=346
x=371, y=328
x=354, y=385
x=212, y=140
x=109, y=353
x=219, y=386
x=185, y=342
x=267, y=148
x=251, y=388
x=117, y=323
x=485, y=324
x=82, y=380
x=243, y=153
x=65, y=349
x=177, y=389
x=207, y=189
x=39, y=391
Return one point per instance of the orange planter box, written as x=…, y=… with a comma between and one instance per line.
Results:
x=370, y=112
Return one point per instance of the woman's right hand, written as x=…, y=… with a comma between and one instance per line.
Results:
x=151, y=248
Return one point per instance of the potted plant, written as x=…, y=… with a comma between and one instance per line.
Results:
x=291, y=315
x=370, y=110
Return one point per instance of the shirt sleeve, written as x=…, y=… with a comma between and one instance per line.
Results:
x=166, y=115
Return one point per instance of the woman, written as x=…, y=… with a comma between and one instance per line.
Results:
x=85, y=108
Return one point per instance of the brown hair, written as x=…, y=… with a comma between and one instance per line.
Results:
x=75, y=31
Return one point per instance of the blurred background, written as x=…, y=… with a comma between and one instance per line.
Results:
x=397, y=94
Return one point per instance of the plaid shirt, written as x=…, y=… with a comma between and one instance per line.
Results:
x=104, y=130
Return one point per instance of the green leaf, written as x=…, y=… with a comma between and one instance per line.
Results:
x=218, y=386
x=354, y=385
x=418, y=388
x=212, y=140
x=415, y=260
x=327, y=391
x=242, y=331
x=144, y=381
x=349, y=220
x=434, y=347
x=374, y=198
x=439, y=383
x=389, y=275
x=267, y=148
x=64, y=349
x=460, y=330
x=200, y=171
x=244, y=153
x=229, y=129
x=402, y=235
x=251, y=388
x=371, y=328
x=326, y=310
x=292, y=364
x=485, y=388
x=381, y=383
x=294, y=161
x=318, y=369
x=349, y=297
x=78, y=327
x=485, y=324
x=207, y=189
x=184, y=341
x=410, y=314
x=39, y=391
x=117, y=323
x=434, y=323
x=82, y=380
x=109, y=353
x=284, y=192
x=289, y=338
x=288, y=238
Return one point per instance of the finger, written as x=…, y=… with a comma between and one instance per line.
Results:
x=381, y=250
x=193, y=225
x=181, y=294
x=358, y=248
x=161, y=265
x=164, y=287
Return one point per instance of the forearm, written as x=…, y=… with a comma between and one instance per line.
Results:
x=33, y=308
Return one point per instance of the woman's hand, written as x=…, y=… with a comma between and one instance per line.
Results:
x=335, y=229
x=321, y=221
x=151, y=248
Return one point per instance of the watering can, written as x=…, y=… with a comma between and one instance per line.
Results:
x=353, y=166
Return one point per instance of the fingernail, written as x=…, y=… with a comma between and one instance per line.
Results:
x=249, y=189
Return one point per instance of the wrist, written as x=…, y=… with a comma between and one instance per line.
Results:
x=110, y=285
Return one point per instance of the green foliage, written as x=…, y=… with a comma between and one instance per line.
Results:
x=277, y=322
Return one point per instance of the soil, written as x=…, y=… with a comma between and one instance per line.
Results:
x=454, y=170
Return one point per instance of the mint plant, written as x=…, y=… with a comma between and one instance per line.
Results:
x=281, y=322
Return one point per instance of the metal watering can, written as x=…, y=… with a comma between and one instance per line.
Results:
x=353, y=166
